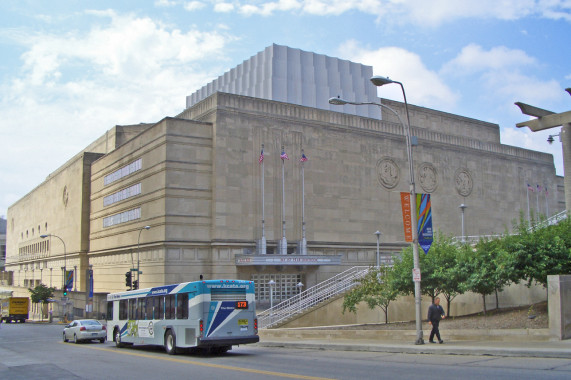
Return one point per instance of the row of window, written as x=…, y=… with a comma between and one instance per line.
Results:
x=151, y=308
x=122, y=217
x=123, y=172
x=40, y=247
x=28, y=233
x=121, y=195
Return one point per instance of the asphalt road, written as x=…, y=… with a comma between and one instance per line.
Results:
x=36, y=351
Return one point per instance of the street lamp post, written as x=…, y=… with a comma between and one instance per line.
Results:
x=299, y=285
x=463, y=207
x=271, y=283
x=379, y=81
x=378, y=233
x=64, y=257
x=138, y=262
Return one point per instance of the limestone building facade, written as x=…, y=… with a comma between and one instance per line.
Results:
x=195, y=180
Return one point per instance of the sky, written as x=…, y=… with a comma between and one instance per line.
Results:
x=71, y=70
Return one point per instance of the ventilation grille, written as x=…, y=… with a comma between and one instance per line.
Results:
x=228, y=295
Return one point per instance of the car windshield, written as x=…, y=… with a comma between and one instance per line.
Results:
x=90, y=323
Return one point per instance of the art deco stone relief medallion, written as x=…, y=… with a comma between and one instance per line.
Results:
x=463, y=182
x=428, y=177
x=388, y=173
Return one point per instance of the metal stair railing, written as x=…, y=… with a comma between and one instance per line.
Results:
x=310, y=297
x=554, y=219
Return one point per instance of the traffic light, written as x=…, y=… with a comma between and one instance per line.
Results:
x=65, y=291
x=128, y=278
x=135, y=284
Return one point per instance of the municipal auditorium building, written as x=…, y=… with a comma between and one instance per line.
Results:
x=196, y=180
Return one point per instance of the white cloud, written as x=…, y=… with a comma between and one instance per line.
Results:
x=73, y=87
x=194, y=5
x=419, y=12
x=473, y=58
x=165, y=3
x=422, y=85
x=223, y=7
x=501, y=72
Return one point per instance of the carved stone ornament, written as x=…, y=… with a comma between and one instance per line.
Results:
x=428, y=177
x=65, y=196
x=388, y=173
x=463, y=182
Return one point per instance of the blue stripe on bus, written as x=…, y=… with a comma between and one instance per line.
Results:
x=226, y=308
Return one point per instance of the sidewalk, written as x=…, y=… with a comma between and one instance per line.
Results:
x=495, y=346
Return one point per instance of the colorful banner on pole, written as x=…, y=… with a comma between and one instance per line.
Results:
x=69, y=280
x=424, y=220
x=423, y=217
x=406, y=216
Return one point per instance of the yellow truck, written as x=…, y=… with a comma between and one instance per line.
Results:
x=14, y=309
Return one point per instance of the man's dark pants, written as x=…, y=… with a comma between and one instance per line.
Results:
x=435, y=330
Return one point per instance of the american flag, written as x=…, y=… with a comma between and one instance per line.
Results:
x=303, y=158
x=261, y=156
x=546, y=192
x=529, y=187
x=284, y=156
x=538, y=189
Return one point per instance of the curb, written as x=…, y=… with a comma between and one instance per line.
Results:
x=446, y=349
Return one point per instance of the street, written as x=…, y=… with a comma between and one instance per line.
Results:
x=36, y=351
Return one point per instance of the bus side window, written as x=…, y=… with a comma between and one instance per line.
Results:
x=149, y=308
x=110, y=310
x=160, y=308
x=182, y=306
x=141, y=308
x=123, y=310
x=132, y=308
x=170, y=307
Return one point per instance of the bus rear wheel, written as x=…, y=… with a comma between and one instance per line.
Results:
x=170, y=343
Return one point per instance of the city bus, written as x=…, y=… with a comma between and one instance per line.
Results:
x=211, y=314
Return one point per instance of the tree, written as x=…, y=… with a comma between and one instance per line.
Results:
x=401, y=275
x=41, y=294
x=479, y=269
x=448, y=271
x=499, y=264
x=374, y=289
x=539, y=251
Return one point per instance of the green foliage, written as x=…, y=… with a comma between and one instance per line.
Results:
x=530, y=254
x=448, y=271
x=374, y=289
x=540, y=251
x=41, y=293
x=401, y=277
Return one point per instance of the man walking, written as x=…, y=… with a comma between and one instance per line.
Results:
x=435, y=314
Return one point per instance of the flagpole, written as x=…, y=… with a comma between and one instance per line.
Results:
x=303, y=239
x=263, y=245
x=527, y=192
x=283, y=246
x=537, y=201
x=546, y=204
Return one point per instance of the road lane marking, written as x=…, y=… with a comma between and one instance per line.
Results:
x=219, y=366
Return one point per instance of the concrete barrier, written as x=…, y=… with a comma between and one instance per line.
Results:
x=499, y=335
x=559, y=306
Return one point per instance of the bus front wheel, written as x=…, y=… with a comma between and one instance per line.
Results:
x=170, y=343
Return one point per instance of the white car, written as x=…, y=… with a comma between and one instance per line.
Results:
x=84, y=329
